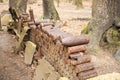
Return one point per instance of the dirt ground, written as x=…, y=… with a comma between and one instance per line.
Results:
x=12, y=66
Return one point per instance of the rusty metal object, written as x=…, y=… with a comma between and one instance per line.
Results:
x=84, y=67
x=60, y=49
x=80, y=60
x=38, y=54
x=75, y=40
x=75, y=49
x=55, y=32
x=84, y=59
x=76, y=55
x=34, y=23
x=24, y=17
x=87, y=74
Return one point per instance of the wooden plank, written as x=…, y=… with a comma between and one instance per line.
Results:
x=22, y=35
x=29, y=52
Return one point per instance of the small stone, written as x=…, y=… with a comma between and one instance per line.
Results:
x=63, y=78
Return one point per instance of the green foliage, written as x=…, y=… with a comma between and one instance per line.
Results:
x=112, y=39
x=86, y=29
x=112, y=35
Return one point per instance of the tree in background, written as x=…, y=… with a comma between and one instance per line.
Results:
x=32, y=1
x=50, y=11
x=103, y=28
x=58, y=2
x=19, y=6
x=1, y=1
x=78, y=3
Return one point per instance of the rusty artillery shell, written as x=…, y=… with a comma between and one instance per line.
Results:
x=84, y=59
x=38, y=54
x=75, y=49
x=75, y=40
x=37, y=23
x=69, y=61
x=31, y=23
x=34, y=23
x=31, y=14
x=80, y=60
x=84, y=67
x=55, y=32
x=75, y=55
x=87, y=74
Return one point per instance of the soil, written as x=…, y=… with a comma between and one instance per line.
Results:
x=12, y=66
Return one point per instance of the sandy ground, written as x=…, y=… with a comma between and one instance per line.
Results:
x=76, y=19
x=11, y=65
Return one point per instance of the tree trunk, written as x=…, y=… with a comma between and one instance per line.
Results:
x=1, y=1
x=78, y=3
x=104, y=14
x=32, y=1
x=58, y=2
x=20, y=6
x=49, y=10
x=0, y=23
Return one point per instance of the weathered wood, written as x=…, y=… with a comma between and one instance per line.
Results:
x=31, y=14
x=76, y=49
x=84, y=67
x=87, y=74
x=33, y=33
x=75, y=40
x=29, y=52
x=24, y=17
x=19, y=28
x=22, y=35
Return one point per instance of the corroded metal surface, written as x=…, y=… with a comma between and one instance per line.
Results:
x=62, y=50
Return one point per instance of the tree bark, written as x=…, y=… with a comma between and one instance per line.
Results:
x=104, y=14
x=1, y=1
x=19, y=6
x=49, y=10
x=0, y=23
x=78, y=3
x=32, y=1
